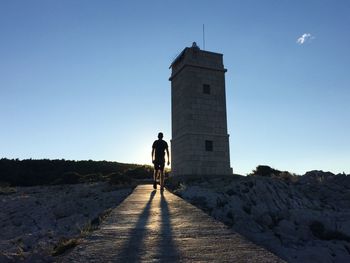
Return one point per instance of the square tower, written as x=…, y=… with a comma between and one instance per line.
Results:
x=200, y=143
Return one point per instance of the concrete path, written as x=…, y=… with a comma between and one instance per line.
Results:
x=152, y=227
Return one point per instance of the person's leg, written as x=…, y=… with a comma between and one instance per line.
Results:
x=158, y=176
x=155, y=178
x=161, y=170
x=161, y=179
x=155, y=175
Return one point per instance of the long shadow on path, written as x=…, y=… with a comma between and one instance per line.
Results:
x=167, y=248
x=151, y=238
x=131, y=252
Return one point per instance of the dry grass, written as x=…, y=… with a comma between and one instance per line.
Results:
x=6, y=190
x=65, y=244
x=93, y=224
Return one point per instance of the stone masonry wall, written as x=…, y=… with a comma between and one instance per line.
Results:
x=198, y=117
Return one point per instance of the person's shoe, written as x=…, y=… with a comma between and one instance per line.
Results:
x=155, y=185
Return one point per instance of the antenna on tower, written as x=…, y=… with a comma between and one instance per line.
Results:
x=203, y=38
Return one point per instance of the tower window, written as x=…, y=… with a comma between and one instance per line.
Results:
x=209, y=146
x=206, y=89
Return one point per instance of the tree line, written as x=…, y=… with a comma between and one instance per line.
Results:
x=30, y=172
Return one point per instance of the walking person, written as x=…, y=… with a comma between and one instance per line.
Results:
x=159, y=148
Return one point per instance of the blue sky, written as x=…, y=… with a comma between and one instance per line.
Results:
x=89, y=79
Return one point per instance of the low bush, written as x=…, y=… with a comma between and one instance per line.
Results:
x=265, y=170
x=142, y=172
x=68, y=178
x=119, y=179
x=64, y=245
x=319, y=231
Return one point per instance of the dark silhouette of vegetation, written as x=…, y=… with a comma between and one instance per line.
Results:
x=31, y=172
x=64, y=245
x=320, y=232
x=267, y=171
x=121, y=178
x=315, y=176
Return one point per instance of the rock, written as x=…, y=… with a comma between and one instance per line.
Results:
x=17, y=221
x=265, y=220
x=318, y=253
x=35, y=218
x=278, y=214
x=286, y=229
x=4, y=258
x=303, y=233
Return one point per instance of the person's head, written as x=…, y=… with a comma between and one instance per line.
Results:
x=160, y=135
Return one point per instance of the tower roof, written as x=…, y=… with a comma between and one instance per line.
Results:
x=195, y=57
x=193, y=47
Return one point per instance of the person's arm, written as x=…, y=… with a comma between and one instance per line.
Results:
x=167, y=152
x=152, y=154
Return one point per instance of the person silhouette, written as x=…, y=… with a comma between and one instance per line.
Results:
x=159, y=148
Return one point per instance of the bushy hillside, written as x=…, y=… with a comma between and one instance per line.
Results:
x=46, y=172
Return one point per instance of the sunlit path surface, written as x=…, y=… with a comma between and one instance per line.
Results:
x=151, y=227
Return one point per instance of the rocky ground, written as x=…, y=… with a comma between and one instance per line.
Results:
x=42, y=221
x=301, y=219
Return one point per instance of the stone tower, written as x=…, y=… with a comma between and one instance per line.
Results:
x=200, y=143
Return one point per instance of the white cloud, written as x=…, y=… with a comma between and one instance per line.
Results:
x=304, y=38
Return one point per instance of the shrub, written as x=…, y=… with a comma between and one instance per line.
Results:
x=200, y=201
x=6, y=190
x=142, y=172
x=64, y=245
x=90, y=178
x=119, y=179
x=320, y=232
x=68, y=178
x=174, y=183
x=317, y=229
x=265, y=170
x=287, y=176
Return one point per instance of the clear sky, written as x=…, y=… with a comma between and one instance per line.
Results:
x=89, y=79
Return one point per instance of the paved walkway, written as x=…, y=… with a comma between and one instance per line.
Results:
x=152, y=227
